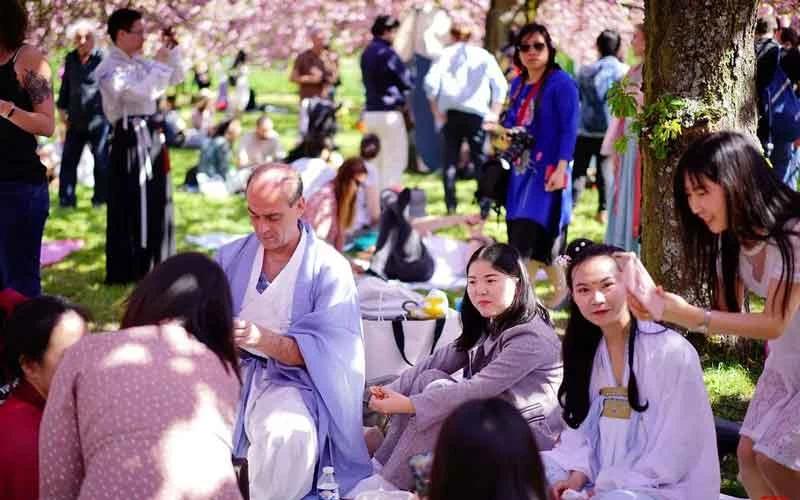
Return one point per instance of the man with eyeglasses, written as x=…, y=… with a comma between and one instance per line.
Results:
x=139, y=232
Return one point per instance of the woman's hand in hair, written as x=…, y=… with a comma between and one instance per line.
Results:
x=676, y=310
x=389, y=402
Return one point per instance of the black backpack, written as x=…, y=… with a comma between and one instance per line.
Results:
x=400, y=253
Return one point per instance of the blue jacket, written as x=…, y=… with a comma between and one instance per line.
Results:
x=385, y=77
x=555, y=127
x=594, y=82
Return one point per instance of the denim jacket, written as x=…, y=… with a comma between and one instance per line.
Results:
x=594, y=82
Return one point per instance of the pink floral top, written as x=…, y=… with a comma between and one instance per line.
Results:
x=322, y=213
x=143, y=413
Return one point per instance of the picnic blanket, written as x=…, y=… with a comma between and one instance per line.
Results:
x=56, y=251
x=212, y=241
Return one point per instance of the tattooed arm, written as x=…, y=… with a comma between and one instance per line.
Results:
x=33, y=74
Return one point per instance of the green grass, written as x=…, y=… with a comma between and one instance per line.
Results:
x=80, y=276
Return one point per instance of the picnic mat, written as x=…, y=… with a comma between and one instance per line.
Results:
x=212, y=241
x=56, y=251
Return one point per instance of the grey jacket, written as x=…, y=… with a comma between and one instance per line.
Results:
x=522, y=365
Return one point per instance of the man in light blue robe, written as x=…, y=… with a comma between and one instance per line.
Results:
x=302, y=357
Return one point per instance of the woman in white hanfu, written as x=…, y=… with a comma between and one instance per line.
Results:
x=639, y=422
x=741, y=231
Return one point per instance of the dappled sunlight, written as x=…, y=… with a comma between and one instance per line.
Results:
x=184, y=449
x=129, y=353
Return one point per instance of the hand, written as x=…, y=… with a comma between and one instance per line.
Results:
x=575, y=481
x=246, y=334
x=162, y=55
x=5, y=108
x=315, y=75
x=440, y=119
x=389, y=402
x=473, y=219
x=556, y=181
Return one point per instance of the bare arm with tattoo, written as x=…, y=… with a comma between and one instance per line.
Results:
x=278, y=347
x=33, y=74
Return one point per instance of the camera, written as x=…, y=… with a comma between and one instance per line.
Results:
x=495, y=173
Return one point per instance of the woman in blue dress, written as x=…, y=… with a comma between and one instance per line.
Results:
x=544, y=100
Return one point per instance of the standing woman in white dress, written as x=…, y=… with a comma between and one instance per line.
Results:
x=741, y=231
x=629, y=389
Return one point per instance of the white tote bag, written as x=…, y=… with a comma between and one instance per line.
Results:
x=394, y=345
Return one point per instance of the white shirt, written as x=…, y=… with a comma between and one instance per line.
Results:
x=253, y=150
x=131, y=85
x=315, y=173
x=466, y=78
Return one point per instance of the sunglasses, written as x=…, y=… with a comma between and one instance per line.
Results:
x=538, y=47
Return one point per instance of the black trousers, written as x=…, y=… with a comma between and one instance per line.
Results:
x=97, y=137
x=460, y=127
x=128, y=256
x=585, y=149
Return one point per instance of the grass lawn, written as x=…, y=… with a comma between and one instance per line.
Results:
x=80, y=276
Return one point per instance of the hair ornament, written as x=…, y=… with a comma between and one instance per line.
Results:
x=563, y=260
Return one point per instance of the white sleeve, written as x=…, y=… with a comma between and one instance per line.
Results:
x=124, y=86
x=497, y=80
x=673, y=449
x=176, y=62
x=572, y=452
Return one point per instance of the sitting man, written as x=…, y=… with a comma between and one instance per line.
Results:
x=303, y=361
x=260, y=146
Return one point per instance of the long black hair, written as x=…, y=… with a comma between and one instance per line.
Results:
x=27, y=332
x=524, y=308
x=486, y=451
x=759, y=206
x=581, y=339
x=525, y=32
x=190, y=288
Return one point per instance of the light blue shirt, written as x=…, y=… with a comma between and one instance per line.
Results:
x=466, y=78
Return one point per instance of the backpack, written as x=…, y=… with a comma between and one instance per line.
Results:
x=782, y=106
x=593, y=108
x=400, y=253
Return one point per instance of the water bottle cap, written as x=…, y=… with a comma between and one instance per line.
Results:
x=327, y=470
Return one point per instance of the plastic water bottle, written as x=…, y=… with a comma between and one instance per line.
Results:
x=327, y=488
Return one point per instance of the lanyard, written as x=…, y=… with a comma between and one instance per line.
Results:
x=522, y=112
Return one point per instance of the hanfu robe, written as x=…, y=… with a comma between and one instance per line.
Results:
x=668, y=451
x=318, y=289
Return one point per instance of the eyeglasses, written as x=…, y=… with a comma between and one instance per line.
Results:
x=136, y=33
x=538, y=47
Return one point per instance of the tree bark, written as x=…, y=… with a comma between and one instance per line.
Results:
x=498, y=20
x=696, y=49
x=700, y=50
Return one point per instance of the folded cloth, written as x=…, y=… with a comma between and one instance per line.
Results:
x=639, y=283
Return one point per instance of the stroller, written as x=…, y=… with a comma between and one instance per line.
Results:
x=317, y=122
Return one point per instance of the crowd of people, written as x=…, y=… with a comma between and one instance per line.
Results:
x=243, y=376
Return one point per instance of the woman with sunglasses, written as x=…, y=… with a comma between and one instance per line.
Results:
x=543, y=99
x=331, y=211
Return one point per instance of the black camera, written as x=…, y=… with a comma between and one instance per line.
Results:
x=495, y=173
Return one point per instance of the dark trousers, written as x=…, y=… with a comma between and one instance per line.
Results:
x=585, y=149
x=97, y=137
x=460, y=126
x=23, y=211
x=128, y=257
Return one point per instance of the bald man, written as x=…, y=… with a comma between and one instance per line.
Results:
x=302, y=354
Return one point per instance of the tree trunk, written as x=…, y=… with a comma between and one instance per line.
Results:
x=700, y=50
x=498, y=20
